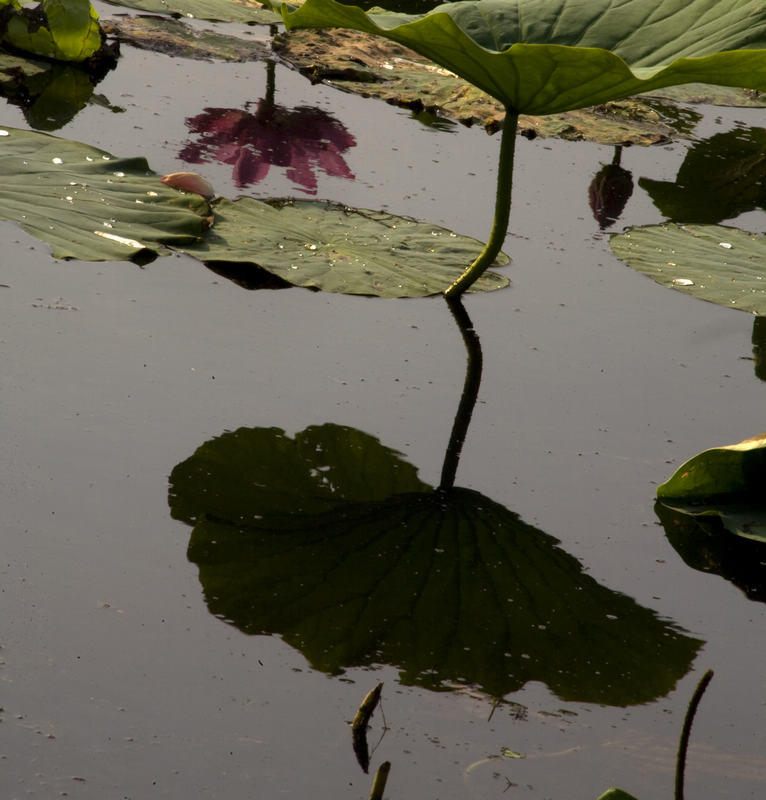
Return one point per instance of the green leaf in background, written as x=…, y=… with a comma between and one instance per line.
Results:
x=548, y=56
x=246, y=12
x=87, y=204
x=329, y=539
x=728, y=482
x=64, y=30
x=334, y=248
x=720, y=177
x=726, y=266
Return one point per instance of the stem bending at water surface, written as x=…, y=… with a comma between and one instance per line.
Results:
x=502, y=209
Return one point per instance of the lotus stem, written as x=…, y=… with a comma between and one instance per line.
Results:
x=379, y=784
x=469, y=396
x=502, y=209
x=683, y=744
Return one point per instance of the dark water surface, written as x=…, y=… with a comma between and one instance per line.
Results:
x=117, y=681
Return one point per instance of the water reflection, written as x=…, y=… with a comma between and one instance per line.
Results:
x=759, y=347
x=720, y=178
x=609, y=191
x=705, y=544
x=301, y=139
x=330, y=539
x=50, y=94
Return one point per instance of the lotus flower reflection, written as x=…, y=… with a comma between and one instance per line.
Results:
x=302, y=139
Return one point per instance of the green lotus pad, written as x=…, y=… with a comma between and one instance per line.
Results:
x=722, y=265
x=549, y=56
x=332, y=247
x=89, y=205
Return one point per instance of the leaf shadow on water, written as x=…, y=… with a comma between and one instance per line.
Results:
x=302, y=140
x=329, y=539
x=51, y=94
x=720, y=178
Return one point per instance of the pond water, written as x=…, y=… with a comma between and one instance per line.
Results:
x=131, y=669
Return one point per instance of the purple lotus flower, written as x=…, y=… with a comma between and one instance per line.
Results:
x=301, y=139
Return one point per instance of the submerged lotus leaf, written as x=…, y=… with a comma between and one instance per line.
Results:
x=87, y=204
x=335, y=248
x=548, y=56
x=713, y=95
x=726, y=266
x=244, y=11
x=375, y=67
x=329, y=539
x=175, y=38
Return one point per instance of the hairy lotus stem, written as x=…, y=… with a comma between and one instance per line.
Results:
x=502, y=209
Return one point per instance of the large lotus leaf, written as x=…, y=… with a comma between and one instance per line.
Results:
x=720, y=177
x=65, y=30
x=714, y=263
x=548, y=56
x=339, y=249
x=330, y=540
x=243, y=11
x=87, y=204
x=727, y=482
